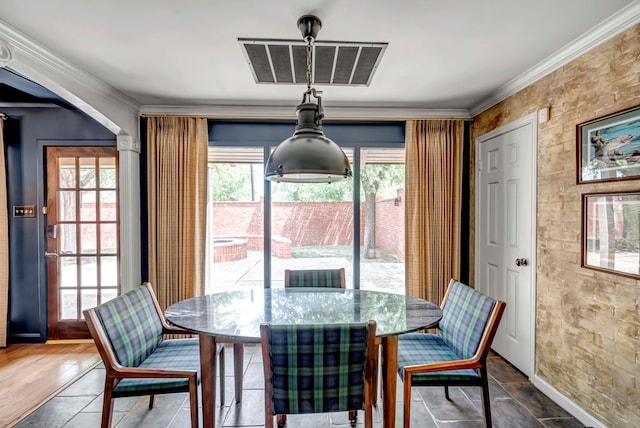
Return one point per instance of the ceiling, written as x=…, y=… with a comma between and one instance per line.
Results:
x=439, y=55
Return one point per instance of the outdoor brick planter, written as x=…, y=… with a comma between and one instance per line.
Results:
x=229, y=249
x=281, y=247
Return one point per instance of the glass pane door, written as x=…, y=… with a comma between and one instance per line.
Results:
x=311, y=228
x=82, y=234
x=382, y=214
x=235, y=228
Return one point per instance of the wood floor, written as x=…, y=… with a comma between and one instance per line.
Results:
x=30, y=374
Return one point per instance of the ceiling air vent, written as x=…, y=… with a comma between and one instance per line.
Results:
x=284, y=62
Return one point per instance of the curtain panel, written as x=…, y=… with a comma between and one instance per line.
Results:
x=434, y=154
x=4, y=242
x=177, y=203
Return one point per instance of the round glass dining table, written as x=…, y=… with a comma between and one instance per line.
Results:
x=236, y=316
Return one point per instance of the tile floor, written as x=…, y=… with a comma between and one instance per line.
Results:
x=515, y=402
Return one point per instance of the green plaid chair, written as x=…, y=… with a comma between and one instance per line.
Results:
x=457, y=355
x=128, y=331
x=318, y=368
x=330, y=278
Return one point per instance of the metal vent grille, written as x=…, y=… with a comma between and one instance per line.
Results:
x=284, y=62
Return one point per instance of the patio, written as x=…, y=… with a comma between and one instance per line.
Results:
x=384, y=273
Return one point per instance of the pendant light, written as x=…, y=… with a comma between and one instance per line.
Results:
x=308, y=156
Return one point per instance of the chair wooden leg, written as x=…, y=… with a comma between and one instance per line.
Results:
x=151, y=398
x=221, y=372
x=407, y=400
x=268, y=410
x=486, y=402
x=268, y=420
x=446, y=392
x=368, y=415
x=107, y=404
x=376, y=375
x=281, y=420
x=238, y=368
x=368, y=397
x=193, y=401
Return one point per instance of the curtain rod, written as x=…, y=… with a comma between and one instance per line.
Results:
x=464, y=119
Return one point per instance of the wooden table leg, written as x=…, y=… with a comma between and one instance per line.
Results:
x=208, y=363
x=238, y=363
x=389, y=380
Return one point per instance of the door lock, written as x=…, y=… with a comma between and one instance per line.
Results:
x=51, y=254
x=521, y=262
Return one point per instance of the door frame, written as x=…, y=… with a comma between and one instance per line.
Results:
x=531, y=119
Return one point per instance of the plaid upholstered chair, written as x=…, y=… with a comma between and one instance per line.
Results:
x=457, y=355
x=316, y=368
x=330, y=278
x=128, y=332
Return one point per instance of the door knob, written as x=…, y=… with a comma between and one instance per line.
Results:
x=521, y=262
x=50, y=254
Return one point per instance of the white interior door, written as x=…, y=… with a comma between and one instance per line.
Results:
x=505, y=243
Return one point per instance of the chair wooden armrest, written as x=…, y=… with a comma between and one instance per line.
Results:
x=138, y=359
x=457, y=354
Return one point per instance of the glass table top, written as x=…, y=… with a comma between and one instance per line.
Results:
x=238, y=314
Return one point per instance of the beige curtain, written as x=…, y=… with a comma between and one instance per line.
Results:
x=4, y=242
x=177, y=200
x=434, y=150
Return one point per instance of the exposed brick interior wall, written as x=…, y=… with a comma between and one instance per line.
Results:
x=587, y=322
x=310, y=223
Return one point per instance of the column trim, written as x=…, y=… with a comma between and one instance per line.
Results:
x=129, y=196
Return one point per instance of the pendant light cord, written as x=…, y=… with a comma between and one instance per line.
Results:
x=309, y=64
x=307, y=95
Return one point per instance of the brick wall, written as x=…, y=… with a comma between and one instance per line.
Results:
x=310, y=223
x=390, y=225
x=587, y=322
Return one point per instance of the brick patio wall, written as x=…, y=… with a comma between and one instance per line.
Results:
x=309, y=223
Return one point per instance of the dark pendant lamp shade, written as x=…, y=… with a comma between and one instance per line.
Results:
x=308, y=156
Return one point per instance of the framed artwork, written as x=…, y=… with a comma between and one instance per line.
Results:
x=611, y=232
x=609, y=147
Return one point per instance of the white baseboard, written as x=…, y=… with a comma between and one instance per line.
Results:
x=568, y=405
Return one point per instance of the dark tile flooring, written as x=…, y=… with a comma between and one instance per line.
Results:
x=515, y=402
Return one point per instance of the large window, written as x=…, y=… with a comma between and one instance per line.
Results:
x=257, y=229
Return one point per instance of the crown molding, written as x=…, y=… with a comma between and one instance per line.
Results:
x=28, y=105
x=119, y=113
x=111, y=108
x=282, y=112
x=620, y=21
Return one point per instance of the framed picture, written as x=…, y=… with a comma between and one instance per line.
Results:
x=611, y=232
x=609, y=147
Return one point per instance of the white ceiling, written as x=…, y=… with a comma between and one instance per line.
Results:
x=456, y=54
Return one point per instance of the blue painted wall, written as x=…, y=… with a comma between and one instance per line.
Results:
x=345, y=133
x=27, y=132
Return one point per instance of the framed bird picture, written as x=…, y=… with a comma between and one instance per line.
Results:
x=609, y=147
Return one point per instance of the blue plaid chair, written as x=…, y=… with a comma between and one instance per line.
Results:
x=316, y=368
x=330, y=278
x=128, y=331
x=457, y=355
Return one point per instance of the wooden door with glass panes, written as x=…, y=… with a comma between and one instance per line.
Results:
x=82, y=235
